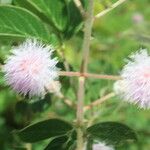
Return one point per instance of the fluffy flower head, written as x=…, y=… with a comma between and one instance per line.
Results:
x=30, y=68
x=135, y=83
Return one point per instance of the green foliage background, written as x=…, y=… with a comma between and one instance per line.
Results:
x=115, y=36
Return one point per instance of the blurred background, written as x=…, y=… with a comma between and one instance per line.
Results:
x=122, y=31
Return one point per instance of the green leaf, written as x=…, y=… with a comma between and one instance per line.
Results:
x=57, y=143
x=61, y=143
x=19, y=22
x=20, y=148
x=74, y=19
x=5, y=1
x=54, y=10
x=67, y=142
x=62, y=14
x=113, y=133
x=42, y=104
x=44, y=130
x=89, y=144
x=27, y=5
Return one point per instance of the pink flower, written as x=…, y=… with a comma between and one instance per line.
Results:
x=137, y=18
x=30, y=69
x=135, y=83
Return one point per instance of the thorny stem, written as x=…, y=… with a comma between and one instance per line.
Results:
x=119, y=2
x=81, y=89
x=89, y=75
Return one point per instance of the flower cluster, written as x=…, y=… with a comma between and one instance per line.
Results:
x=135, y=84
x=29, y=70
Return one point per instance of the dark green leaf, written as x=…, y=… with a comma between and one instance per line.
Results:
x=54, y=10
x=67, y=142
x=57, y=143
x=43, y=130
x=112, y=133
x=20, y=148
x=22, y=107
x=19, y=22
x=42, y=104
x=61, y=143
x=33, y=106
x=65, y=17
x=89, y=143
x=27, y=5
x=74, y=19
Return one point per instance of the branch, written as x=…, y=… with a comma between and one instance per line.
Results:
x=81, y=88
x=99, y=101
x=80, y=96
x=87, y=36
x=55, y=88
x=119, y=2
x=67, y=101
x=80, y=7
x=80, y=114
x=86, y=75
x=89, y=75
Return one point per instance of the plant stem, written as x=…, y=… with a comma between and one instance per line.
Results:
x=99, y=101
x=80, y=7
x=80, y=101
x=87, y=36
x=80, y=115
x=28, y=146
x=119, y=2
x=67, y=101
x=81, y=89
x=89, y=75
